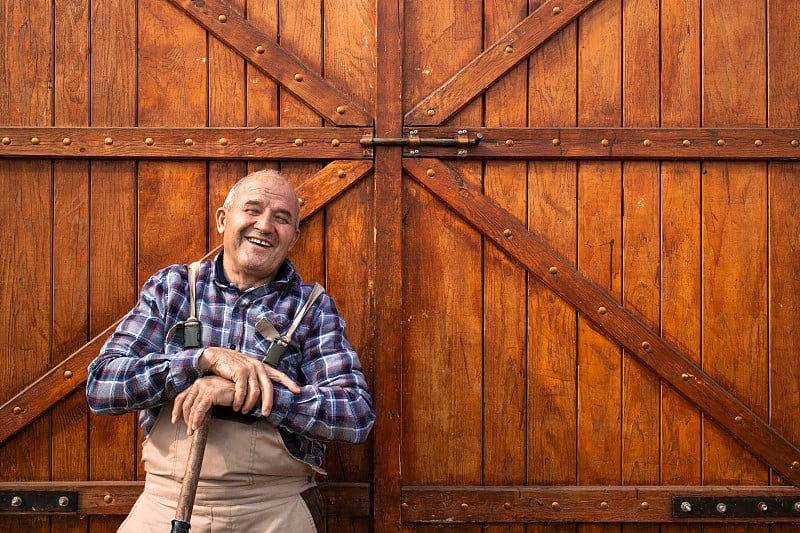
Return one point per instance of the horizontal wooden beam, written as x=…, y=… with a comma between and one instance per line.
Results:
x=117, y=497
x=608, y=316
x=184, y=143
x=596, y=504
x=615, y=143
x=41, y=395
x=221, y=19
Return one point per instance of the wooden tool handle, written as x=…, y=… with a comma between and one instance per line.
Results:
x=192, y=475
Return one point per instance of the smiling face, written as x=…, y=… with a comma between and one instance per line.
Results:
x=258, y=229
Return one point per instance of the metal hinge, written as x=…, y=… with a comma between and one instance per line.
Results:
x=38, y=501
x=414, y=141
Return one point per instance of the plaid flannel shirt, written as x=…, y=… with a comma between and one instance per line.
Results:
x=136, y=371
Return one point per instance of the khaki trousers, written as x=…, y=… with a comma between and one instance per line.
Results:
x=248, y=482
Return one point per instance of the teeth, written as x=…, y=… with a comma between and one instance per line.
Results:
x=258, y=242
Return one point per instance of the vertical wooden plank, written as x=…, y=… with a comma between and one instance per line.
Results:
x=112, y=282
x=599, y=254
x=641, y=245
x=681, y=434
x=505, y=282
x=26, y=55
x=734, y=234
x=70, y=245
x=387, y=223
x=349, y=58
x=784, y=202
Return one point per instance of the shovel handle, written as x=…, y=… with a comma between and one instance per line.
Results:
x=183, y=513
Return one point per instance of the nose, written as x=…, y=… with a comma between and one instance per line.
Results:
x=264, y=222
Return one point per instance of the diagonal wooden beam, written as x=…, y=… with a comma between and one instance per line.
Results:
x=281, y=66
x=494, y=223
x=516, y=45
x=40, y=396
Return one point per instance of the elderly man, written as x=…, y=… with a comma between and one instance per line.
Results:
x=266, y=437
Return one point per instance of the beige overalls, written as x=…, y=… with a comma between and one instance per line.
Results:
x=248, y=483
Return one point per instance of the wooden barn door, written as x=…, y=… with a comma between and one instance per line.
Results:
x=562, y=233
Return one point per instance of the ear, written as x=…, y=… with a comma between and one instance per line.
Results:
x=221, y=216
x=296, y=236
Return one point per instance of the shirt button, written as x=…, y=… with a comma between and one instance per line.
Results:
x=232, y=346
x=235, y=310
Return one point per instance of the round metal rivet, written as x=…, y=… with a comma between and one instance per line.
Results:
x=721, y=142
x=299, y=77
x=509, y=49
x=763, y=507
x=795, y=143
x=686, y=507
x=604, y=505
x=223, y=141
x=648, y=142
x=6, y=141
x=67, y=374
x=556, y=142
x=721, y=507
x=758, y=142
x=16, y=501
x=341, y=109
x=739, y=420
x=335, y=142
x=16, y=410
x=430, y=172
x=34, y=140
x=687, y=142
x=298, y=142
x=464, y=506
x=341, y=174
x=404, y=505
x=797, y=506
x=301, y=201
x=556, y=506
x=63, y=501
x=602, y=310
x=332, y=500
x=509, y=142
x=188, y=142
x=553, y=270
x=259, y=141
x=108, y=498
x=431, y=112
x=67, y=141
x=507, y=232
x=222, y=18
x=685, y=376
x=645, y=345
x=556, y=10
x=108, y=141
x=645, y=506
x=507, y=505
x=260, y=49
x=796, y=465
x=149, y=141
x=604, y=142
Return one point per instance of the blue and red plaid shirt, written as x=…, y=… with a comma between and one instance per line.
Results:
x=136, y=371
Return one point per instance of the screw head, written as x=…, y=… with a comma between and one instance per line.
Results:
x=341, y=174
x=34, y=140
x=108, y=141
x=149, y=141
x=335, y=142
x=604, y=143
x=223, y=141
x=67, y=374
x=431, y=112
x=260, y=49
x=6, y=141
x=63, y=501
x=721, y=507
x=67, y=141
x=222, y=18
x=341, y=109
x=687, y=142
x=758, y=142
x=686, y=507
x=16, y=501
x=108, y=498
x=602, y=310
x=298, y=77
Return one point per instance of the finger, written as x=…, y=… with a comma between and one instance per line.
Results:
x=253, y=393
x=188, y=404
x=239, y=392
x=177, y=407
x=201, y=407
x=279, y=377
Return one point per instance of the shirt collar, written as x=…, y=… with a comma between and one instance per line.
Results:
x=286, y=273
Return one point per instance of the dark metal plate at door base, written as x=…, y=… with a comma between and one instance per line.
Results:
x=38, y=501
x=735, y=507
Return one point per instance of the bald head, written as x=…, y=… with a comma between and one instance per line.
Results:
x=275, y=180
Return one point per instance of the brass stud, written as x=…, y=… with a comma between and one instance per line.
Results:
x=223, y=141
x=404, y=505
x=16, y=410
x=298, y=142
x=509, y=49
x=795, y=143
x=464, y=506
x=259, y=141
x=341, y=109
x=188, y=142
x=602, y=310
x=34, y=140
x=222, y=18
x=556, y=10
x=556, y=142
x=509, y=142
x=507, y=232
x=67, y=374
x=739, y=420
x=506, y=505
x=645, y=506
x=604, y=143
x=796, y=465
x=553, y=270
x=604, y=505
x=67, y=141
x=299, y=77
x=687, y=143
x=758, y=142
x=335, y=142
x=301, y=201
x=430, y=172
x=260, y=49
x=645, y=346
x=108, y=141
x=685, y=376
x=108, y=498
x=332, y=500
x=648, y=142
x=431, y=112
x=341, y=174
x=149, y=141
x=721, y=142
x=6, y=141
x=555, y=506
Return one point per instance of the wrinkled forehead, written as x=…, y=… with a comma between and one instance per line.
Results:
x=267, y=189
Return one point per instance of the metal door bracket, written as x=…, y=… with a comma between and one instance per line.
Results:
x=38, y=501
x=414, y=142
x=735, y=507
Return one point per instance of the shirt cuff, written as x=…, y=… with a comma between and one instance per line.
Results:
x=184, y=368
